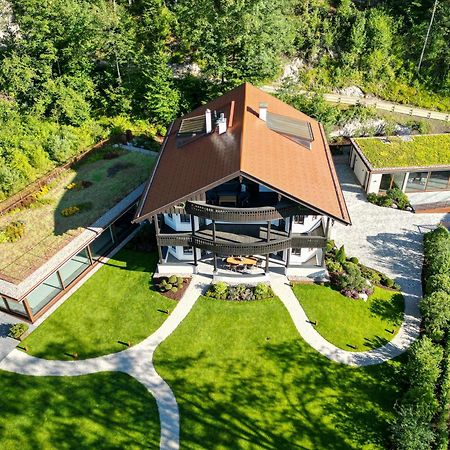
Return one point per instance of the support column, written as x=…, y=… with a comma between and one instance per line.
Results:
x=155, y=220
x=269, y=223
x=288, y=251
x=214, y=242
x=194, y=249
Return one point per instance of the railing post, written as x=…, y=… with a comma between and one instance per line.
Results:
x=214, y=244
x=266, y=270
x=155, y=220
x=194, y=248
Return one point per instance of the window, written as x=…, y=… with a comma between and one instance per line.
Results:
x=416, y=181
x=185, y=218
x=44, y=293
x=74, y=267
x=17, y=307
x=297, y=251
x=170, y=215
x=187, y=251
x=439, y=181
x=102, y=244
x=299, y=219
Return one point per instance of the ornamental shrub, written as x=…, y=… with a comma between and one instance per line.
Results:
x=354, y=260
x=12, y=232
x=438, y=282
x=218, y=290
x=263, y=291
x=399, y=197
x=371, y=274
x=435, y=309
x=333, y=266
x=352, y=279
x=330, y=247
x=437, y=251
x=172, y=279
x=17, y=330
x=340, y=255
x=386, y=281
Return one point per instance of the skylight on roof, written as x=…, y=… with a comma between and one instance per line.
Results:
x=192, y=126
x=297, y=130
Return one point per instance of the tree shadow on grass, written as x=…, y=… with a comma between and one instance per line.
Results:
x=286, y=396
x=389, y=310
x=101, y=411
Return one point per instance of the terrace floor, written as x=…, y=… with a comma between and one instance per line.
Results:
x=107, y=181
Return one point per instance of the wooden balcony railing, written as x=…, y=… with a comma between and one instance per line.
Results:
x=225, y=214
x=241, y=248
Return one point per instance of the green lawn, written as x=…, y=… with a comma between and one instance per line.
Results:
x=99, y=411
x=419, y=151
x=244, y=379
x=344, y=321
x=115, y=304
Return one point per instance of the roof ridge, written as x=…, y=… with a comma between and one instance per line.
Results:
x=244, y=110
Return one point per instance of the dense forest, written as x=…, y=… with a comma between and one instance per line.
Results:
x=73, y=70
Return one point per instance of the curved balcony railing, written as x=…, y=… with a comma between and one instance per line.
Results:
x=226, y=214
x=244, y=248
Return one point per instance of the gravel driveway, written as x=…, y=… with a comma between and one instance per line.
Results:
x=384, y=238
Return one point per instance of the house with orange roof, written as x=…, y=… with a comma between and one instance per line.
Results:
x=244, y=183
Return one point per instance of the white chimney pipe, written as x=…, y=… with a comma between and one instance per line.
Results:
x=263, y=111
x=222, y=123
x=208, y=121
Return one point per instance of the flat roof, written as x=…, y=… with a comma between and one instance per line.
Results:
x=406, y=152
x=248, y=148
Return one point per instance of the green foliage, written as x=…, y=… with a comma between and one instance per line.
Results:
x=332, y=265
x=340, y=255
x=240, y=292
x=263, y=291
x=437, y=251
x=438, y=282
x=13, y=232
x=18, y=329
x=435, y=309
x=218, y=290
x=352, y=278
x=354, y=260
x=399, y=197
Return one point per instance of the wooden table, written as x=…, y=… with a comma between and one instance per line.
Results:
x=240, y=260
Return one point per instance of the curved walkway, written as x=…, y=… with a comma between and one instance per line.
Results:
x=406, y=335
x=136, y=361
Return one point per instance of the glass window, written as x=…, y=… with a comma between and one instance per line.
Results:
x=44, y=293
x=187, y=251
x=398, y=179
x=3, y=304
x=438, y=180
x=123, y=226
x=185, y=218
x=296, y=251
x=17, y=307
x=385, y=183
x=169, y=215
x=299, y=219
x=416, y=181
x=74, y=267
x=102, y=244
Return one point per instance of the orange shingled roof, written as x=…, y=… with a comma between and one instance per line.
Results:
x=248, y=148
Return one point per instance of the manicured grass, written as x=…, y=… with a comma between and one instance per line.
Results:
x=244, y=379
x=99, y=411
x=46, y=230
x=344, y=321
x=419, y=151
x=115, y=304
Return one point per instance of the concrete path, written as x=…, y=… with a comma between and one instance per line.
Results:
x=136, y=361
x=408, y=332
x=373, y=102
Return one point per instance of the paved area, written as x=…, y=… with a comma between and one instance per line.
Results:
x=6, y=343
x=426, y=198
x=136, y=361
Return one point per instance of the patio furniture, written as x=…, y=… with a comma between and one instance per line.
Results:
x=227, y=199
x=241, y=260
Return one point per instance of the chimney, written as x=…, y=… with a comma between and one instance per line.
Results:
x=208, y=121
x=263, y=111
x=222, y=123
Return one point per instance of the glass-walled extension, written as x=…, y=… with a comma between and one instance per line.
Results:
x=48, y=292
x=428, y=181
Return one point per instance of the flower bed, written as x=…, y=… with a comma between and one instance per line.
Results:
x=172, y=287
x=394, y=198
x=352, y=279
x=240, y=292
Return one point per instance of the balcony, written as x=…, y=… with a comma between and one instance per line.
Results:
x=255, y=214
x=243, y=239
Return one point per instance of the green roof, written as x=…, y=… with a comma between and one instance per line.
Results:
x=419, y=151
